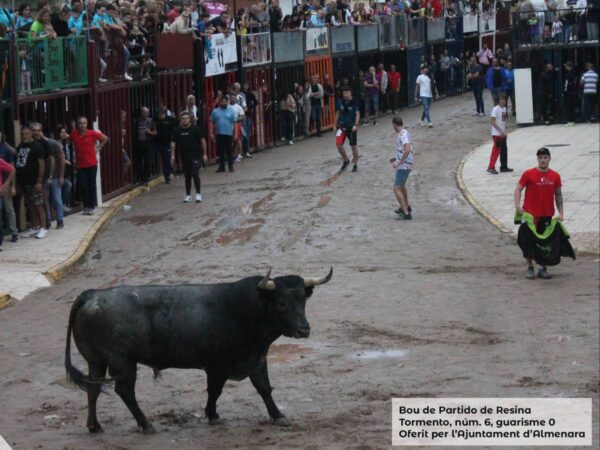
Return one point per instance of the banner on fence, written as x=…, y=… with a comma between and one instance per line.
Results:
x=220, y=54
x=256, y=49
x=317, y=40
x=470, y=23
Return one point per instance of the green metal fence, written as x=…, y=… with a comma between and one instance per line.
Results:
x=51, y=64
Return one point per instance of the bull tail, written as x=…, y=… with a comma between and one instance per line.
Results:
x=74, y=375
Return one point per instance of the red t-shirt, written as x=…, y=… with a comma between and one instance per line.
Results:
x=4, y=168
x=393, y=80
x=539, y=191
x=85, y=147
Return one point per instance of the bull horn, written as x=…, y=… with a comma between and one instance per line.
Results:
x=266, y=284
x=309, y=282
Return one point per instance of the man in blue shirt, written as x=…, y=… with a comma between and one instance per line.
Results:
x=222, y=120
x=318, y=20
x=347, y=118
x=509, y=76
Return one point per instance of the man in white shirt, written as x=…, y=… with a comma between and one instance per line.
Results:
x=498, y=121
x=423, y=94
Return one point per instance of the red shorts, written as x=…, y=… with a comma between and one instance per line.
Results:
x=343, y=133
x=237, y=131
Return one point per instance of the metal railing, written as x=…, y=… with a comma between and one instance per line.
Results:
x=552, y=27
x=415, y=31
x=49, y=64
x=109, y=55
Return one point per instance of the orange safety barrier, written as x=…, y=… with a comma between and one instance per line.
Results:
x=322, y=65
x=260, y=81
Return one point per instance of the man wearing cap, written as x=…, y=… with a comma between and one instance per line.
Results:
x=542, y=189
x=570, y=93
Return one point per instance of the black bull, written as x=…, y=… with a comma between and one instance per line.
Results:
x=225, y=329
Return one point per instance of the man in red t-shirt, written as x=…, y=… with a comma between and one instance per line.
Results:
x=84, y=141
x=542, y=188
x=393, y=89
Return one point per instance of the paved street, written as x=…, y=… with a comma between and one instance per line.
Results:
x=436, y=307
x=575, y=156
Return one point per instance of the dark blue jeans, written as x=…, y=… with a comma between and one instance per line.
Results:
x=478, y=93
x=316, y=111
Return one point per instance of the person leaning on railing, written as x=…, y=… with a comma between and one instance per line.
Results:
x=42, y=27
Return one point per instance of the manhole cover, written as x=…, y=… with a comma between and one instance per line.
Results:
x=557, y=145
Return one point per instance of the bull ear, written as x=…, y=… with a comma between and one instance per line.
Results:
x=266, y=284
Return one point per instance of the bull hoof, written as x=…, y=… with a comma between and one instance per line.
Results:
x=149, y=429
x=281, y=422
x=95, y=429
x=215, y=421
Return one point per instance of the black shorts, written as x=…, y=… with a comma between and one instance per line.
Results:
x=343, y=133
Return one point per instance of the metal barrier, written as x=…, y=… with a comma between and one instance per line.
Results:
x=142, y=94
x=6, y=74
x=322, y=66
x=415, y=31
x=436, y=30
x=535, y=28
x=109, y=55
x=284, y=78
x=414, y=56
x=50, y=64
x=54, y=111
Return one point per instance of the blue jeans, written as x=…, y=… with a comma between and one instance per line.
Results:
x=55, y=197
x=315, y=116
x=65, y=191
x=372, y=105
x=126, y=57
x=426, y=105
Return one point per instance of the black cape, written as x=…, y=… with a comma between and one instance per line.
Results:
x=545, y=242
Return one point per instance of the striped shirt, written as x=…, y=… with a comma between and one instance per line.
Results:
x=590, y=82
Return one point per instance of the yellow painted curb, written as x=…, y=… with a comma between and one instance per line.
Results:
x=58, y=271
x=474, y=203
x=5, y=300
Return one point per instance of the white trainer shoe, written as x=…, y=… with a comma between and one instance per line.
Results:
x=187, y=199
x=42, y=233
x=198, y=198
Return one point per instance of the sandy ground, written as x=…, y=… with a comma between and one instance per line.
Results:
x=445, y=293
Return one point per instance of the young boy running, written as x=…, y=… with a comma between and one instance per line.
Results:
x=403, y=163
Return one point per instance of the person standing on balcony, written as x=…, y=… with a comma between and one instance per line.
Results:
x=6, y=18
x=182, y=25
x=84, y=141
x=42, y=27
x=23, y=20
x=276, y=15
x=117, y=26
x=60, y=21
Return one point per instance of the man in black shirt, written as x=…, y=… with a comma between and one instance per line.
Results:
x=570, y=93
x=30, y=163
x=164, y=130
x=189, y=140
x=221, y=23
x=275, y=16
x=547, y=93
x=347, y=118
x=475, y=78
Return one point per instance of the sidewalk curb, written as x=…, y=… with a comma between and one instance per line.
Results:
x=60, y=270
x=465, y=192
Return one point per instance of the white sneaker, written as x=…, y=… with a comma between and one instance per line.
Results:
x=187, y=199
x=430, y=125
x=291, y=142
x=102, y=80
x=42, y=233
x=127, y=77
x=238, y=158
x=422, y=123
x=198, y=198
x=30, y=233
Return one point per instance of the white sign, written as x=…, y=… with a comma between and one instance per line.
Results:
x=256, y=49
x=504, y=421
x=220, y=54
x=317, y=39
x=470, y=23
